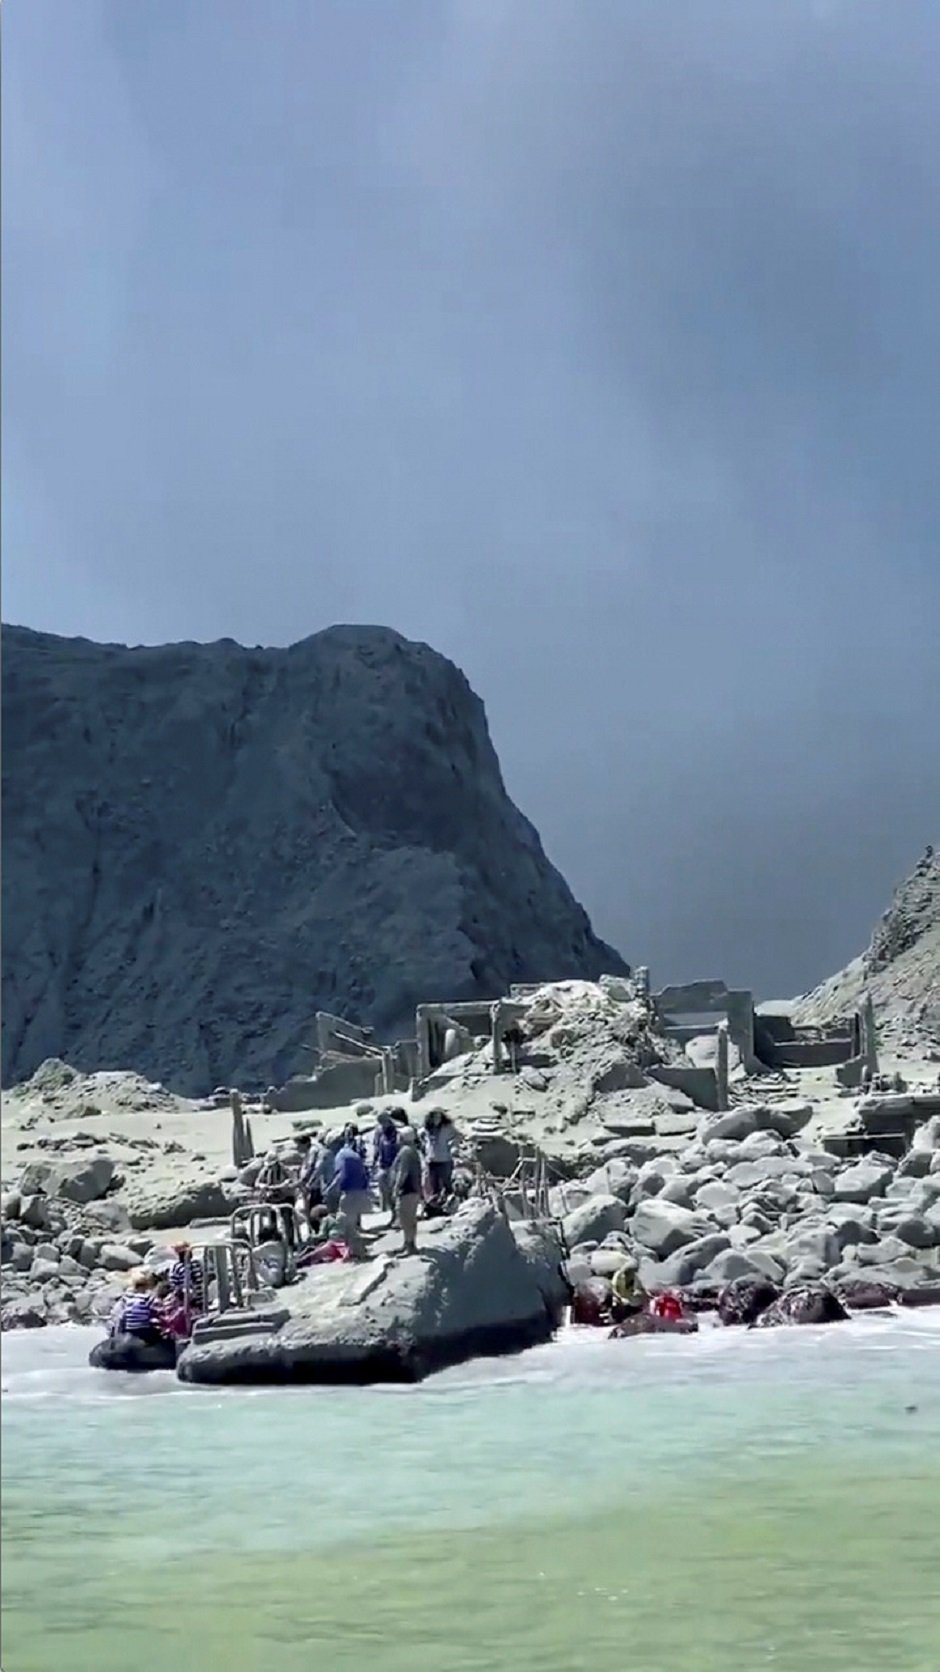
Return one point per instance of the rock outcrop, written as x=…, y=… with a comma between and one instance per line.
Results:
x=472, y=1289
x=202, y=844
x=901, y=967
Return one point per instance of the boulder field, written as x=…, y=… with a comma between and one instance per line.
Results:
x=745, y=1204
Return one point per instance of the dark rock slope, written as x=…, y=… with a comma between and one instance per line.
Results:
x=203, y=844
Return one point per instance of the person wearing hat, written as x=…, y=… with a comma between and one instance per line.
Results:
x=406, y=1187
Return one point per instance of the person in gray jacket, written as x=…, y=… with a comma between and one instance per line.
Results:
x=406, y=1187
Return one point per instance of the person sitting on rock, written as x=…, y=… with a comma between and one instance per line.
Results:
x=351, y=1184
x=628, y=1296
x=668, y=1307
x=140, y=1314
x=406, y=1188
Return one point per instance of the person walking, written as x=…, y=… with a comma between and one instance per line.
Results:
x=406, y=1188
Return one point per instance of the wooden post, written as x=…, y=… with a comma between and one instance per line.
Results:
x=238, y=1130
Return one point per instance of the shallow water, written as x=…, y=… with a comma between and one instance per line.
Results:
x=722, y=1504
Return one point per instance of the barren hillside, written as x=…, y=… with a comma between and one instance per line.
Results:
x=202, y=844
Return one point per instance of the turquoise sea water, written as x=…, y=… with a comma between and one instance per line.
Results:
x=728, y=1503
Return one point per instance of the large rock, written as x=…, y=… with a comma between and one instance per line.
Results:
x=866, y=1179
x=860, y=1294
x=677, y=1189
x=162, y=1208
x=472, y=1289
x=904, y=1274
x=787, y=1118
x=663, y=1227
x=732, y=1265
x=592, y=1221
x=616, y=1178
x=915, y=1229
x=804, y=1303
x=23, y=1312
x=926, y=1139
x=382, y=859
x=83, y=1180
x=744, y=1299
x=851, y=1225
x=690, y=1261
x=731, y=1124
x=810, y=1242
x=115, y=1257
x=748, y=1174
x=719, y=1200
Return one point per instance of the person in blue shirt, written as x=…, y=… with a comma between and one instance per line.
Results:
x=384, y=1153
x=351, y=1184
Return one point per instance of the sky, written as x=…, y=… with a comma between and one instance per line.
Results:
x=596, y=345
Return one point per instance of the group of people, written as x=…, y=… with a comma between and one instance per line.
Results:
x=161, y=1305
x=338, y=1175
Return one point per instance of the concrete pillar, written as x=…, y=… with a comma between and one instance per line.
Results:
x=388, y=1070
x=740, y=1010
x=496, y=1035
x=869, y=1034
x=423, y=1036
x=721, y=1064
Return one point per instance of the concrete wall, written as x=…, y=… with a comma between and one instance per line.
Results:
x=333, y=1033
x=347, y=1082
x=695, y=998
x=701, y=1084
x=675, y=1005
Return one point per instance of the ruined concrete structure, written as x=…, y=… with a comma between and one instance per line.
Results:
x=350, y=1065
x=761, y=1037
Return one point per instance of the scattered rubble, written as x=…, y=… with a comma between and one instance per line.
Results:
x=757, y=1162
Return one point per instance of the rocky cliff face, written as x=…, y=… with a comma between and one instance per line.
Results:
x=901, y=967
x=203, y=844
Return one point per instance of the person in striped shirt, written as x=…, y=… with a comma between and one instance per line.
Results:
x=186, y=1274
x=139, y=1313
